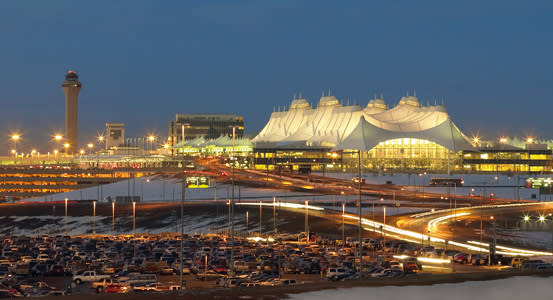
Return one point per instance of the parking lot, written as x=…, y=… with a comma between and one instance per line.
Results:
x=59, y=265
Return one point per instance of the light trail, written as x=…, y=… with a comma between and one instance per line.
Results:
x=516, y=250
x=432, y=223
x=415, y=237
x=419, y=238
x=433, y=260
x=441, y=211
x=281, y=204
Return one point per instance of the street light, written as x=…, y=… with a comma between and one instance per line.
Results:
x=65, y=216
x=112, y=218
x=274, y=215
x=183, y=198
x=133, y=217
x=260, y=217
x=151, y=139
x=229, y=222
x=306, y=221
x=232, y=205
x=94, y=217
x=15, y=138
x=343, y=225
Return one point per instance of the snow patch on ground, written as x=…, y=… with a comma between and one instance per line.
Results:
x=504, y=289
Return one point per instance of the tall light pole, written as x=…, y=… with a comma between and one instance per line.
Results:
x=93, y=217
x=359, y=204
x=65, y=215
x=306, y=221
x=260, y=216
x=112, y=218
x=133, y=217
x=183, y=198
x=101, y=139
x=229, y=222
x=152, y=138
x=232, y=207
x=247, y=221
x=15, y=138
x=343, y=225
x=274, y=215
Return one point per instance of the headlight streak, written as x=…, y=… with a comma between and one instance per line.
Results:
x=281, y=204
x=441, y=211
x=432, y=223
x=433, y=260
x=516, y=250
x=419, y=238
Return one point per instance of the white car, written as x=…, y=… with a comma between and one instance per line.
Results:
x=336, y=272
x=380, y=273
x=43, y=257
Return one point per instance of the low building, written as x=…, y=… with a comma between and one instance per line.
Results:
x=206, y=126
x=502, y=157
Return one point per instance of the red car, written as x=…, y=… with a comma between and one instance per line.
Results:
x=221, y=269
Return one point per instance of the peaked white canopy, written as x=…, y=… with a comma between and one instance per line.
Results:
x=353, y=127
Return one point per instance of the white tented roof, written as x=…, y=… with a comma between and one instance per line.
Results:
x=336, y=126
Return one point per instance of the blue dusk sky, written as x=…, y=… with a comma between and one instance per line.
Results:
x=141, y=62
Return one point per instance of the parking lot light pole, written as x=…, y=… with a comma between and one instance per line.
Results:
x=133, y=217
x=112, y=218
x=343, y=225
x=360, y=209
x=232, y=271
x=183, y=198
x=93, y=217
x=65, y=216
x=274, y=215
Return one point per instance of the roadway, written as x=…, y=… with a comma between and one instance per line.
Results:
x=433, y=228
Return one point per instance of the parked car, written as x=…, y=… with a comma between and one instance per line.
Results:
x=88, y=276
x=117, y=288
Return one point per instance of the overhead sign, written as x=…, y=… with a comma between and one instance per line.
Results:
x=545, y=185
x=198, y=182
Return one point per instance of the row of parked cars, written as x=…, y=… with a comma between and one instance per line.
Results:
x=134, y=263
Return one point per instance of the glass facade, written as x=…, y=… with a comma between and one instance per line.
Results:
x=409, y=153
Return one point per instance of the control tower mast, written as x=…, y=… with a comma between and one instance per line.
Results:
x=71, y=87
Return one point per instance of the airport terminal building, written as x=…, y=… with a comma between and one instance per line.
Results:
x=406, y=137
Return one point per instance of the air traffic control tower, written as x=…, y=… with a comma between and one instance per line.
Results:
x=71, y=87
